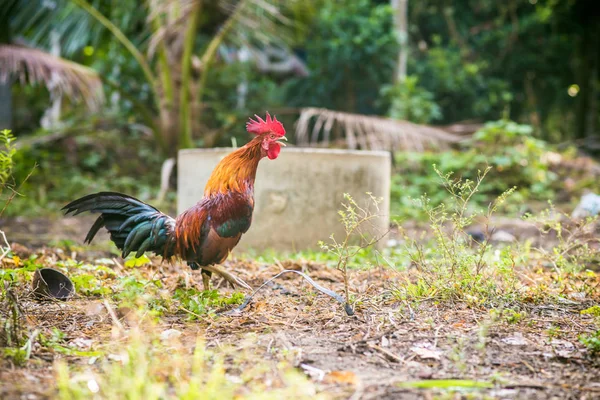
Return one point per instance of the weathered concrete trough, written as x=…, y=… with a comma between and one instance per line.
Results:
x=298, y=195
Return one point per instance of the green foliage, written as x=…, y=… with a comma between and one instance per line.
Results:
x=132, y=261
x=592, y=341
x=463, y=88
x=516, y=159
x=56, y=341
x=121, y=160
x=198, y=303
x=20, y=355
x=7, y=153
x=89, y=285
x=594, y=311
x=141, y=293
x=351, y=52
x=487, y=58
x=575, y=242
x=409, y=101
x=454, y=265
x=508, y=315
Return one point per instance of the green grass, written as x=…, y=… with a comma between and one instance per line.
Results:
x=134, y=373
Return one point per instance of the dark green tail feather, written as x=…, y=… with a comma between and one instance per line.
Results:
x=134, y=226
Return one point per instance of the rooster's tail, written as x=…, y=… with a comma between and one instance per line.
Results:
x=134, y=226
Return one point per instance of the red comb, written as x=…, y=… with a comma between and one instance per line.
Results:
x=261, y=126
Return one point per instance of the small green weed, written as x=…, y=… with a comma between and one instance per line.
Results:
x=453, y=265
x=573, y=240
x=507, y=315
x=360, y=234
x=197, y=303
x=592, y=341
x=55, y=340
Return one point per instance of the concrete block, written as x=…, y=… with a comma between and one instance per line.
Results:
x=297, y=196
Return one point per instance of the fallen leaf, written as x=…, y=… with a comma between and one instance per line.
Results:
x=564, y=343
x=81, y=343
x=516, y=340
x=426, y=350
x=348, y=377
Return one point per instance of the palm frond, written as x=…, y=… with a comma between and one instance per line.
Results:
x=319, y=127
x=75, y=81
x=169, y=20
x=258, y=22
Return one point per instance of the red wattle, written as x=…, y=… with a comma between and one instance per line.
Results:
x=273, y=151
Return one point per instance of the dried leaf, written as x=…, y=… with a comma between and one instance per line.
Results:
x=516, y=340
x=57, y=74
x=425, y=350
x=367, y=132
x=348, y=377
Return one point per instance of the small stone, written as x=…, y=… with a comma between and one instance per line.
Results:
x=170, y=334
x=588, y=206
x=502, y=236
x=516, y=340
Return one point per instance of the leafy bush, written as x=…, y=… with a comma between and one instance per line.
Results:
x=453, y=265
x=516, y=158
x=121, y=160
x=409, y=101
x=7, y=152
x=592, y=341
x=351, y=53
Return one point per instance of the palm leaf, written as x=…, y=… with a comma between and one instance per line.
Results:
x=319, y=127
x=258, y=22
x=169, y=19
x=35, y=66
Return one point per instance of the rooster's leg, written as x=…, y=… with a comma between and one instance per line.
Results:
x=206, y=274
x=206, y=279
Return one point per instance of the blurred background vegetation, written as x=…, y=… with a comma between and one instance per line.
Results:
x=98, y=93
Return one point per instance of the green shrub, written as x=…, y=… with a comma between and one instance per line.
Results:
x=409, y=101
x=7, y=152
x=516, y=158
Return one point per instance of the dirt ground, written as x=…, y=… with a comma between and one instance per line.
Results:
x=370, y=355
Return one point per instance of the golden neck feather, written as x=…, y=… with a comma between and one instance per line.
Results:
x=236, y=172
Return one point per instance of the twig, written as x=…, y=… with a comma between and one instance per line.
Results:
x=383, y=351
x=6, y=250
x=113, y=316
x=16, y=191
x=330, y=293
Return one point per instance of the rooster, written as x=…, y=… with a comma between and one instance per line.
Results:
x=204, y=234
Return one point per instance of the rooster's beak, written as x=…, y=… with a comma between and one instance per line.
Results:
x=282, y=138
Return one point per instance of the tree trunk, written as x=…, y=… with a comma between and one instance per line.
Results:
x=51, y=116
x=401, y=26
